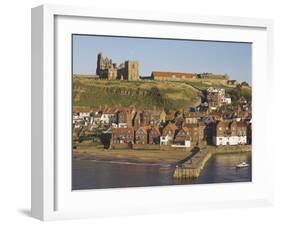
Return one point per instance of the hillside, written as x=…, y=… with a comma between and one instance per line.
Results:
x=171, y=96
x=234, y=91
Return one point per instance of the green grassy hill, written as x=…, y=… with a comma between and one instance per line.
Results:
x=171, y=96
x=234, y=91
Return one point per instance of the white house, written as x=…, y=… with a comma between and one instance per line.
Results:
x=84, y=114
x=230, y=133
x=229, y=140
x=109, y=116
x=164, y=140
x=168, y=134
x=226, y=100
x=182, y=138
x=186, y=144
x=122, y=125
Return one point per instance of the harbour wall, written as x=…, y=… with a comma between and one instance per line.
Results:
x=192, y=166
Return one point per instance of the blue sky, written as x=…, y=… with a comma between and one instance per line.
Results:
x=234, y=59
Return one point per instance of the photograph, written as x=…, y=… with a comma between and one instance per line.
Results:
x=152, y=111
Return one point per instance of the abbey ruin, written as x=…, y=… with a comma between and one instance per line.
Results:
x=129, y=70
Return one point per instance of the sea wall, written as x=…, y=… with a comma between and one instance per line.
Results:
x=231, y=149
x=146, y=146
x=120, y=146
x=192, y=167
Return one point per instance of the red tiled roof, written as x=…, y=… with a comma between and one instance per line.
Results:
x=155, y=129
x=194, y=114
x=122, y=130
x=170, y=117
x=241, y=124
x=171, y=74
x=144, y=128
x=185, y=129
x=109, y=111
x=81, y=109
x=222, y=123
x=191, y=125
x=171, y=126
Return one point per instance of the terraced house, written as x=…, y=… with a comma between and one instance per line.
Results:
x=230, y=133
x=154, y=135
x=109, y=116
x=168, y=134
x=215, y=97
x=123, y=135
x=183, y=137
x=193, y=117
x=197, y=132
x=126, y=115
x=141, y=135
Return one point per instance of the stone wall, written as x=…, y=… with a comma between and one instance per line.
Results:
x=120, y=146
x=231, y=149
x=146, y=146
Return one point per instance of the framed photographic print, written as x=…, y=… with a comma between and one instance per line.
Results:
x=137, y=112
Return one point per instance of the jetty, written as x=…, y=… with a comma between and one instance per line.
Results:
x=191, y=166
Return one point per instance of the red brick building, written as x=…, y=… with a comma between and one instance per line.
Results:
x=161, y=75
x=126, y=115
x=154, y=135
x=230, y=133
x=141, y=135
x=123, y=135
x=197, y=132
x=168, y=134
x=182, y=136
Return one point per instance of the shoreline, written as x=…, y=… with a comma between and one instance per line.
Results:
x=125, y=162
x=149, y=157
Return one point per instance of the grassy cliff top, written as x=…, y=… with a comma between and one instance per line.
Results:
x=171, y=96
x=168, y=95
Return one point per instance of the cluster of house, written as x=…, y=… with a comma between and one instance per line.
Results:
x=129, y=126
x=216, y=98
x=121, y=117
x=157, y=135
x=203, y=131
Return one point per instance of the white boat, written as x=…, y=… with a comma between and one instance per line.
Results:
x=242, y=165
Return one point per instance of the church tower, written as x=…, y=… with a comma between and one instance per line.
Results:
x=99, y=64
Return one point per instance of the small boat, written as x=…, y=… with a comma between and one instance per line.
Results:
x=242, y=165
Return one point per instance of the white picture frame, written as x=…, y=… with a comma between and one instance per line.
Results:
x=52, y=197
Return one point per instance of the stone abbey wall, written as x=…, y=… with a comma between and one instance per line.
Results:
x=106, y=69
